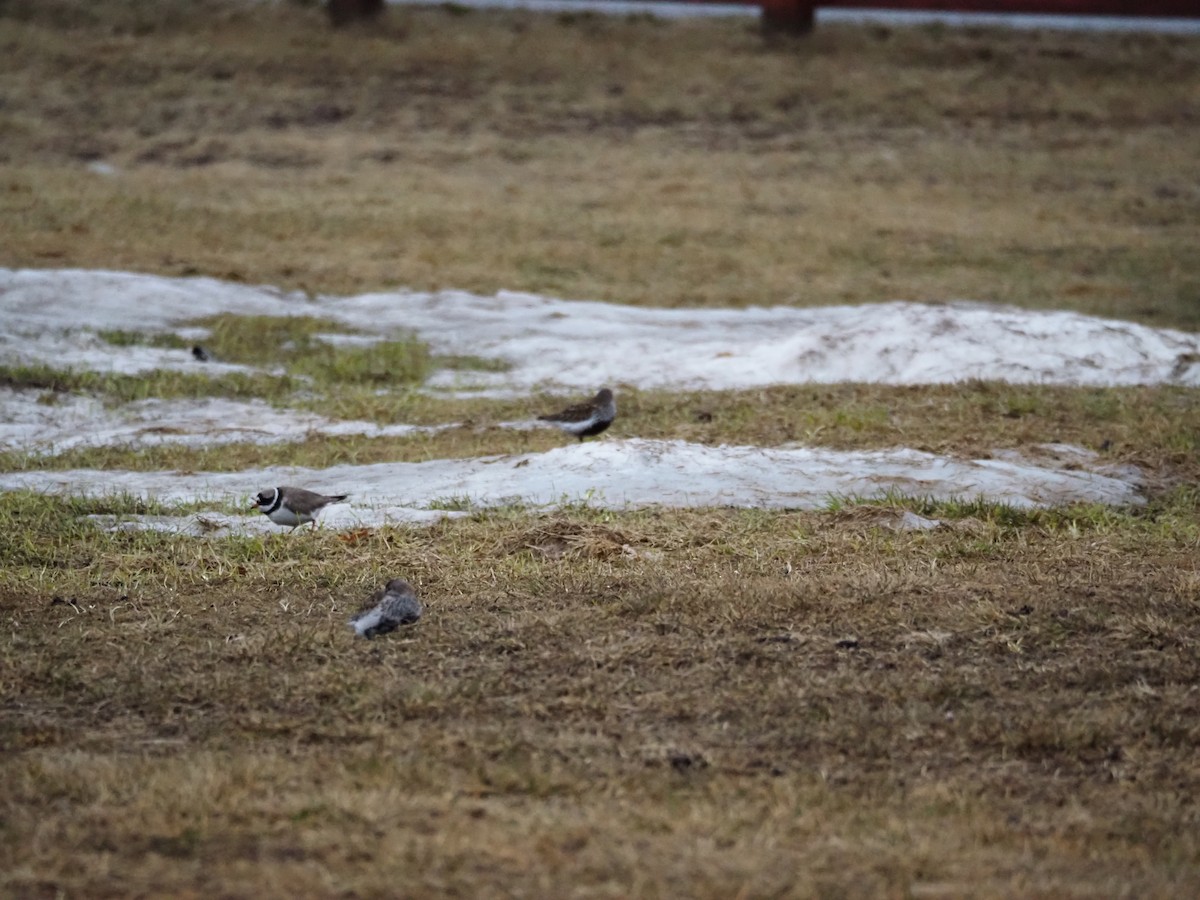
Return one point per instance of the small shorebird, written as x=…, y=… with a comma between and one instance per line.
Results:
x=389, y=607
x=293, y=506
x=586, y=419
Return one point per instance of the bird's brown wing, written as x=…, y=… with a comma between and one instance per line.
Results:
x=302, y=500
x=580, y=412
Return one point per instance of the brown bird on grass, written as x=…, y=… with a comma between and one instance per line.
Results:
x=586, y=419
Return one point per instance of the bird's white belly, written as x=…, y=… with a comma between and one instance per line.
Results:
x=579, y=427
x=368, y=620
x=284, y=516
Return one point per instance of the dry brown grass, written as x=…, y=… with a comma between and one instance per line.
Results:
x=651, y=704
x=666, y=164
x=658, y=703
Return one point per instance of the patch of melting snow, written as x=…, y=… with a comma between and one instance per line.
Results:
x=73, y=421
x=582, y=344
x=1068, y=456
x=83, y=350
x=52, y=316
x=217, y=525
x=611, y=474
x=97, y=167
x=910, y=521
x=451, y=382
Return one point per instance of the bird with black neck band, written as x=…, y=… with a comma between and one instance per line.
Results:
x=293, y=506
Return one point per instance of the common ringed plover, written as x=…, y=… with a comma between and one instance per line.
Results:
x=388, y=609
x=293, y=506
x=586, y=419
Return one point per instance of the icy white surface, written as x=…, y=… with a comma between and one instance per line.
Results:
x=910, y=521
x=33, y=300
x=51, y=317
x=580, y=344
x=214, y=524
x=83, y=350
x=584, y=344
x=614, y=474
x=74, y=421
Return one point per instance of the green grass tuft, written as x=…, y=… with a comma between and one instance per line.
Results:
x=295, y=343
x=123, y=338
x=385, y=364
x=160, y=383
x=460, y=504
x=263, y=340
x=467, y=363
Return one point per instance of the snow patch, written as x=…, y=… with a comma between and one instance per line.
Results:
x=73, y=421
x=217, y=525
x=582, y=344
x=910, y=521
x=51, y=317
x=614, y=475
x=83, y=350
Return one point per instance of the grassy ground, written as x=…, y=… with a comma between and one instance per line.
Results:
x=707, y=703
x=625, y=160
x=657, y=704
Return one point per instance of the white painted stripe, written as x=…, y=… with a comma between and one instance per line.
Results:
x=683, y=10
